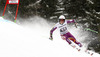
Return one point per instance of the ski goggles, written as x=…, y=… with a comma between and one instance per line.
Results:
x=61, y=19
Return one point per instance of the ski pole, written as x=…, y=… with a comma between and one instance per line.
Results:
x=75, y=23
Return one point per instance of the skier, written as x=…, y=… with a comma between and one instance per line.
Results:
x=65, y=34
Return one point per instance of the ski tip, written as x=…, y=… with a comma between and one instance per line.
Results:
x=79, y=50
x=92, y=54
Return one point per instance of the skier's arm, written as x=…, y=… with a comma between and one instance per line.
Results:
x=51, y=31
x=71, y=21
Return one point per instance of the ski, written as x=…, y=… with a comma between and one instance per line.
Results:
x=88, y=52
x=75, y=47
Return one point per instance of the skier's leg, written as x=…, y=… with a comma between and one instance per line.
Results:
x=68, y=41
x=71, y=37
x=76, y=42
x=64, y=37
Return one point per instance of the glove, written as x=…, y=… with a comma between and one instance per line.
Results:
x=51, y=38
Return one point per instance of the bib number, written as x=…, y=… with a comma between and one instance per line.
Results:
x=63, y=29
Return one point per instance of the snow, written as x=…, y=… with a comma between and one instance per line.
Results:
x=91, y=1
x=61, y=3
x=59, y=0
x=53, y=17
x=98, y=12
x=61, y=9
x=59, y=12
x=87, y=12
x=31, y=40
x=31, y=5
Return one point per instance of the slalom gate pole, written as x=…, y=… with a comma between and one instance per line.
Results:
x=88, y=29
x=12, y=2
x=16, y=13
x=4, y=10
x=91, y=30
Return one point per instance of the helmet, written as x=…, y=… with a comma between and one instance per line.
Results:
x=62, y=17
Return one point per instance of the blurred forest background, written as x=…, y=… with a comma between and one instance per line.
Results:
x=86, y=12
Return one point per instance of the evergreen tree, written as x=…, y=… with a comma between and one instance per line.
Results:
x=48, y=7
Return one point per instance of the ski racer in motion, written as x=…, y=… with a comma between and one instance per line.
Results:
x=65, y=34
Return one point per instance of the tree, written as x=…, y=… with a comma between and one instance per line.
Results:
x=88, y=9
x=48, y=7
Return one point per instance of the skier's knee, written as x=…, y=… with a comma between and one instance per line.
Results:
x=63, y=37
x=72, y=39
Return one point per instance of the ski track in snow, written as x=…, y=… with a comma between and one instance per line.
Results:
x=22, y=41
